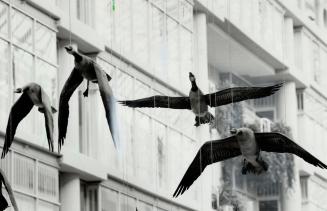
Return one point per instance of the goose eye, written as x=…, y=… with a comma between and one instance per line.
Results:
x=240, y=133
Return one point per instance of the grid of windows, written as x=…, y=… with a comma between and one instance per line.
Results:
x=28, y=54
x=35, y=184
x=138, y=126
x=155, y=34
x=115, y=198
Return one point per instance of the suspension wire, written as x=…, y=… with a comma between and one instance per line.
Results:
x=197, y=117
x=70, y=23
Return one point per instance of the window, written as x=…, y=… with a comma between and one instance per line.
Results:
x=109, y=199
x=127, y=203
x=45, y=42
x=268, y=205
x=316, y=63
x=4, y=83
x=123, y=25
x=88, y=197
x=311, y=9
x=172, y=8
x=304, y=187
x=85, y=11
x=325, y=18
x=140, y=30
x=186, y=13
x=173, y=52
x=27, y=189
x=22, y=29
x=4, y=13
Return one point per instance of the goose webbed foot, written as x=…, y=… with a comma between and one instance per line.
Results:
x=197, y=121
x=244, y=167
x=86, y=92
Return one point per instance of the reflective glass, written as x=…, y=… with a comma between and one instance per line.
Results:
x=173, y=53
x=22, y=29
x=109, y=199
x=123, y=24
x=4, y=12
x=140, y=30
x=45, y=42
x=4, y=83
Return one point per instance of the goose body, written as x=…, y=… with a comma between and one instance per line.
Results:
x=199, y=103
x=86, y=68
x=243, y=142
x=32, y=95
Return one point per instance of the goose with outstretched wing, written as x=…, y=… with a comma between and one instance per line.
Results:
x=199, y=102
x=247, y=144
x=32, y=95
x=86, y=68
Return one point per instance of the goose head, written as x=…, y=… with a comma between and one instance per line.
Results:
x=191, y=77
x=18, y=90
x=70, y=49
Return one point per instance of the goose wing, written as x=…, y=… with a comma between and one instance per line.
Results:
x=74, y=80
x=238, y=94
x=276, y=142
x=160, y=101
x=210, y=152
x=18, y=112
x=48, y=118
x=7, y=185
x=109, y=102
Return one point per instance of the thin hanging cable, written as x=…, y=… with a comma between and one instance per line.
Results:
x=70, y=23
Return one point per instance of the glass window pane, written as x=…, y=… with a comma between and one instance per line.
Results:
x=22, y=75
x=22, y=30
x=140, y=26
x=186, y=58
x=160, y=3
x=173, y=53
x=4, y=12
x=159, y=44
x=46, y=76
x=127, y=203
x=109, y=200
x=25, y=203
x=44, y=206
x=172, y=8
x=48, y=182
x=186, y=13
x=24, y=174
x=144, y=206
x=123, y=23
x=4, y=83
x=45, y=42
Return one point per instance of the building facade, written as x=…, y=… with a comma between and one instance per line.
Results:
x=148, y=47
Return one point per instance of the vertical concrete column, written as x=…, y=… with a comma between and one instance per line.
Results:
x=69, y=192
x=289, y=41
x=201, y=74
x=287, y=113
x=66, y=64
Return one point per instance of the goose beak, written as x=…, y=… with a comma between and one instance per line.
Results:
x=233, y=131
x=69, y=48
x=18, y=90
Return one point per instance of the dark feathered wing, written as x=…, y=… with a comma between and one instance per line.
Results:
x=48, y=118
x=237, y=94
x=276, y=142
x=210, y=152
x=109, y=103
x=74, y=80
x=18, y=112
x=159, y=101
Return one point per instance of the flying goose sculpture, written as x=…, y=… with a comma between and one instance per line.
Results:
x=32, y=94
x=3, y=201
x=86, y=68
x=199, y=102
x=244, y=142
